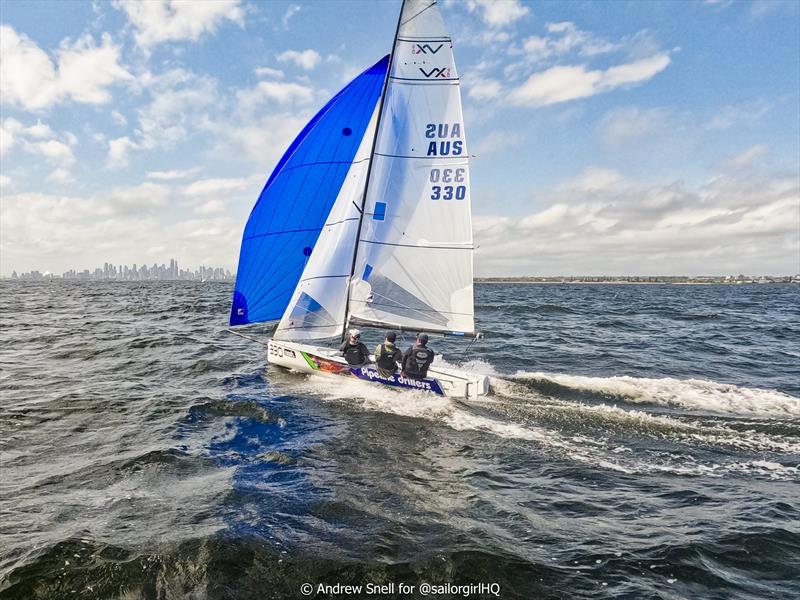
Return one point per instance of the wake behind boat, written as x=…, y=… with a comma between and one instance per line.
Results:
x=366, y=219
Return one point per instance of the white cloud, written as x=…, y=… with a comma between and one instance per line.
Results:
x=118, y=118
x=290, y=12
x=158, y=21
x=281, y=92
x=38, y=139
x=83, y=73
x=210, y=207
x=5, y=181
x=263, y=140
x=630, y=124
x=565, y=38
x=215, y=186
x=748, y=157
x=564, y=83
x=269, y=72
x=118, y=150
x=306, y=59
x=746, y=114
x=594, y=179
x=602, y=223
x=484, y=88
x=60, y=176
x=498, y=13
x=52, y=150
x=172, y=175
x=178, y=107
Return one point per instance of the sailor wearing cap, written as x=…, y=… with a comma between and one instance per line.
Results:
x=418, y=358
x=354, y=350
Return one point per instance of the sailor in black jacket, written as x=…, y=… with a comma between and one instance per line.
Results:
x=354, y=350
x=418, y=358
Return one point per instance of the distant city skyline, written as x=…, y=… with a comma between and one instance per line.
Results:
x=134, y=272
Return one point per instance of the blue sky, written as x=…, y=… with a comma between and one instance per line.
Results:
x=609, y=137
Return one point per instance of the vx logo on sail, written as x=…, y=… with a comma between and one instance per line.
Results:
x=425, y=49
x=434, y=73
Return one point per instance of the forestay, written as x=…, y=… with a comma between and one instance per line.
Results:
x=291, y=211
x=413, y=267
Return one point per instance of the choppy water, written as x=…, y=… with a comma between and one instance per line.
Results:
x=641, y=442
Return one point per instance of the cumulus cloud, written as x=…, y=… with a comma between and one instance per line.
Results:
x=602, y=223
x=483, y=88
x=37, y=139
x=305, y=59
x=158, y=21
x=565, y=38
x=83, y=71
x=118, y=150
x=178, y=106
x=498, y=13
x=269, y=72
x=282, y=92
x=564, y=83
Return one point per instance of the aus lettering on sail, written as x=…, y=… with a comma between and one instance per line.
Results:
x=445, y=139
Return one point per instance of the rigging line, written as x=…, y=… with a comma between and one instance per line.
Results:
x=463, y=356
x=384, y=89
x=247, y=337
x=412, y=17
x=418, y=246
x=398, y=304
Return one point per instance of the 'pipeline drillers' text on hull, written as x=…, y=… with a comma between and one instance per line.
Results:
x=449, y=139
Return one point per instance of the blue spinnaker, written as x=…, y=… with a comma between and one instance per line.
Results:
x=294, y=204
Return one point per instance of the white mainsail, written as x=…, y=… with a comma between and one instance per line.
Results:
x=413, y=267
x=408, y=257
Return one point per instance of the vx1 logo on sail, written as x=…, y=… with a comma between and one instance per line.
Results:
x=436, y=73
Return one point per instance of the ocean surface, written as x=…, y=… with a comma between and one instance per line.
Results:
x=640, y=441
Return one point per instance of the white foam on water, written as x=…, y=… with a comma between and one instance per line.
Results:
x=409, y=403
x=694, y=394
x=595, y=450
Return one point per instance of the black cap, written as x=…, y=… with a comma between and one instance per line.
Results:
x=391, y=336
x=422, y=338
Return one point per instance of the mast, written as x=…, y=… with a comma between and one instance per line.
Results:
x=369, y=169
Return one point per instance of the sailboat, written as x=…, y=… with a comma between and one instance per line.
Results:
x=365, y=220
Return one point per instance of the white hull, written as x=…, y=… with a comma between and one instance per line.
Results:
x=306, y=358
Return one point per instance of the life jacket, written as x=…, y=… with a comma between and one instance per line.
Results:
x=385, y=358
x=418, y=361
x=355, y=355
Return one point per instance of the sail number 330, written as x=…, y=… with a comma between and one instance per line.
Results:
x=448, y=192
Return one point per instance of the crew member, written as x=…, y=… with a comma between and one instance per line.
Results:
x=387, y=355
x=418, y=358
x=354, y=350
